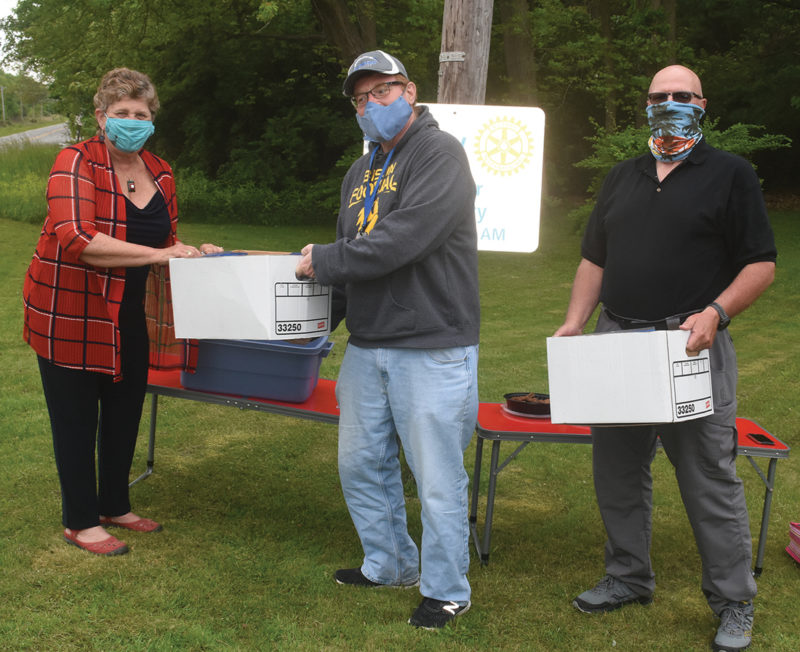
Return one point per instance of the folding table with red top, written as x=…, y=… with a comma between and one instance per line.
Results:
x=498, y=425
x=494, y=424
x=320, y=406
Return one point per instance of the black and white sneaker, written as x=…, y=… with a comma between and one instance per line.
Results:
x=354, y=577
x=434, y=614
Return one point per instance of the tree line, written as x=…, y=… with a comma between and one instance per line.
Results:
x=22, y=97
x=251, y=89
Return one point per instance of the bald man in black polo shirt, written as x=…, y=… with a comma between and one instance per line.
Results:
x=679, y=238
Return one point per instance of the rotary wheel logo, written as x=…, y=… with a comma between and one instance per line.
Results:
x=504, y=146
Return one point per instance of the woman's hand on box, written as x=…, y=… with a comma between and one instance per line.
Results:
x=207, y=248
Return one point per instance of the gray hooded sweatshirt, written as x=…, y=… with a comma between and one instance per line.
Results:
x=412, y=279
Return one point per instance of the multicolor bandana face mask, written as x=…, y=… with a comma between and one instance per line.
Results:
x=675, y=129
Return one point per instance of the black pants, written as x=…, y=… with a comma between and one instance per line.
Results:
x=88, y=408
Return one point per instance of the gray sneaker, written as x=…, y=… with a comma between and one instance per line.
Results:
x=609, y=594
x=735, y=628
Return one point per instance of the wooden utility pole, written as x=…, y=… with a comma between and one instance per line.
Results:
x=464, y=56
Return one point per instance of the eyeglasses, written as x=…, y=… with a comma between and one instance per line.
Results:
x=378, y=92
x=683, y=97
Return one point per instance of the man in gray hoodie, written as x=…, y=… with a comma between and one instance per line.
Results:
x=404, y=268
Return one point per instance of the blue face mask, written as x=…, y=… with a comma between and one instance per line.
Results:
x=128, y=135
x=382, y=123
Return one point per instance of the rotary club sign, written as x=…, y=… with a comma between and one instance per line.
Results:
x=504, y=148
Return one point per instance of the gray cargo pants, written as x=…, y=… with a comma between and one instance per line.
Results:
x=703, y=452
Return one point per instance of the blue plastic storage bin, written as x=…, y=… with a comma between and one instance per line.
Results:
x=271, y=369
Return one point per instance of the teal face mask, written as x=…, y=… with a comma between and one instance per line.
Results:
x=128, y=135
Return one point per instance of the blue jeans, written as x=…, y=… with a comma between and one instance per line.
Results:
x=429, y=398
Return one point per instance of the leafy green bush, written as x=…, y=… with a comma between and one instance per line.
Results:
x=204, y=200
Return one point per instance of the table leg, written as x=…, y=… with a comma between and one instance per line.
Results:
x=473, y=505
x=152, y=443
x=487, y=525
x=494, y=470
x=762, y=535
x=476, y=481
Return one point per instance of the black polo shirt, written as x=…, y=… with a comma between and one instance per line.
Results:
x=673, y=246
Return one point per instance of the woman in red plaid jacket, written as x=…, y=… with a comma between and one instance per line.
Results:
x=111, y=216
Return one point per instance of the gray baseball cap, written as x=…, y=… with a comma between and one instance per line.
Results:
x=376, y=61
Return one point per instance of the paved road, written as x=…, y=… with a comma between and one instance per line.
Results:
x=52, y=135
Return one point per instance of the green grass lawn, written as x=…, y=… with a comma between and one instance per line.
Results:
x=255, y=524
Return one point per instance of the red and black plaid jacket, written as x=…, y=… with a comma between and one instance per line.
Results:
x=71, y=308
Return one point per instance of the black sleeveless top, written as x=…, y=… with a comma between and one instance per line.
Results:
x=148, y=226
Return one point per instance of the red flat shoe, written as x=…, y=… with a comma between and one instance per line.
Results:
x=107, y=547
x=139, y=525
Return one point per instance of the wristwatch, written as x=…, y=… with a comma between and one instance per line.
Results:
x=724, y=320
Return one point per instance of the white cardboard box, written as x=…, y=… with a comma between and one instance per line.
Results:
x=629, y=377
x=250, y=296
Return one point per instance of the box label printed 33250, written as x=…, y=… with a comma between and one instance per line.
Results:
x=689, y=387
x=301, y=308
